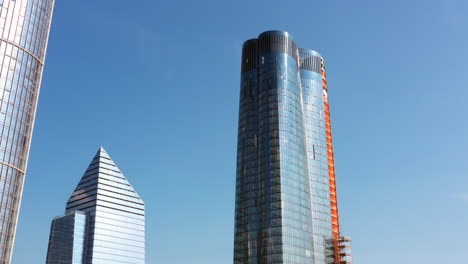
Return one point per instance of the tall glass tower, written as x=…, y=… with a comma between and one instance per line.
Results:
x=24, y=31
x=284, y=208
x=104, y=221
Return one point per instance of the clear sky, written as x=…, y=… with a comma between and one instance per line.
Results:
x=157, y=84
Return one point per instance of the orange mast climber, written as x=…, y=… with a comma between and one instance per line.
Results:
x=331, y=160
x=339, y=247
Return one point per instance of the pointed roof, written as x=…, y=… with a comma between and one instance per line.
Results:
x=104, y=185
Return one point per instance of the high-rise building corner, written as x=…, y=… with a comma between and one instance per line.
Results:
x=24, y=34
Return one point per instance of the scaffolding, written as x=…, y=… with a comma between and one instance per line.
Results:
x=339, y=251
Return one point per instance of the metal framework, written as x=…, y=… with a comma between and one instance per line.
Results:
x=338, y=247
x=339, y=250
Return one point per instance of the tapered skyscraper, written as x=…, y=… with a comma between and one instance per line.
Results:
x=104, y=221
x=24, y=31
x=286, y=206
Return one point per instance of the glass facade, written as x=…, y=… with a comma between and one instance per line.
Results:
x=283, y=212
x=67, y=238
x=316, y=143
x=115, y=230
x=24, y=31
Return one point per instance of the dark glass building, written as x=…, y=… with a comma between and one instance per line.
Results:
x=283, y=192
x=104, y=221
x=67, y=238
x=24, y=32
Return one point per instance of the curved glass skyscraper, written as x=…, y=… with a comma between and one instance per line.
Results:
x=283, y=190
x=24, y=31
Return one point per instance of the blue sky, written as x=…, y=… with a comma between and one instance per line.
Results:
x=157, y=82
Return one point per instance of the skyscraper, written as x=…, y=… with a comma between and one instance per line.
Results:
x=24, y=32
x=286, y=206
x=104, y=221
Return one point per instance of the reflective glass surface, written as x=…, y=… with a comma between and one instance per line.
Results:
x=67, y=238
x=282, y=190
x=24, y=31
x=115, y=232
x=316, y=145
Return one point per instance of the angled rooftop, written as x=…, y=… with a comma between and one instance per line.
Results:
x=104, y=185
